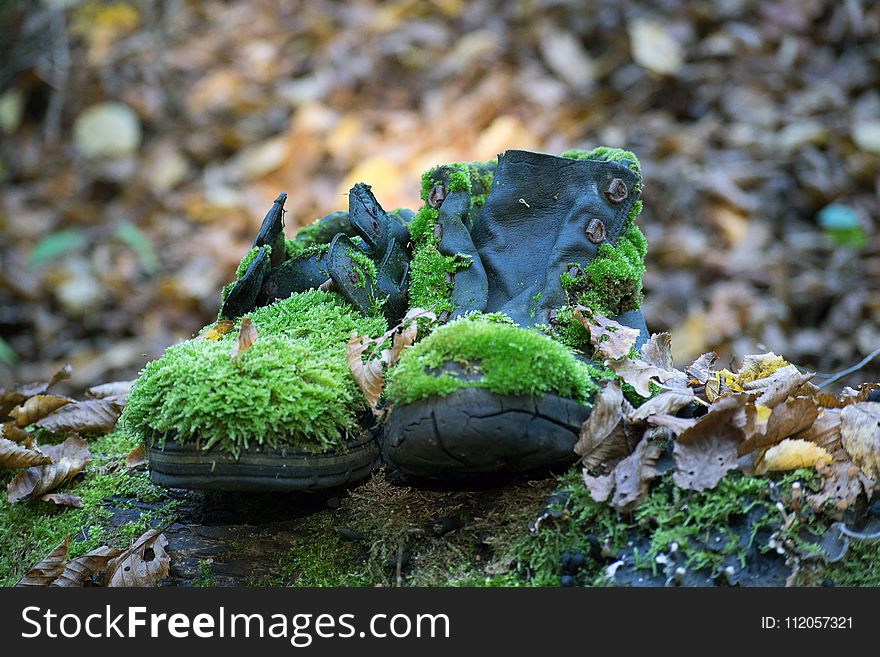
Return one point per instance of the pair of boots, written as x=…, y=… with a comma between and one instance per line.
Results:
x=500, y=251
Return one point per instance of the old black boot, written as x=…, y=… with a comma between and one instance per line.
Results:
x=506, y=385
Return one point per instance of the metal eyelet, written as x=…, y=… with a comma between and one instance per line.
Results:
x=437, y=195
x=616, y=191
x=595, y=231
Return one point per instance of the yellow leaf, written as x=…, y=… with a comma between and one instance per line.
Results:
x=763, y=414
x=759, y=366
x=220, y=328
x=791, y=454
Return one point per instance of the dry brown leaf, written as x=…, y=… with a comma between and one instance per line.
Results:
x=825, y=432
x=705, y=452
x=860, y=435
x=63, y=499
x=38, y=407
x=787, y=419
x=370, y=375
x=600, y=487
x=779, y=386
x=603, y=437
x=144, y=564
x=633, y=474
x=677, y=425
x=136, y=457
x=701, y=369
x=247, y=335
x=16, y=434
x=405, y=333
x=640, y=374
x=791, y=454
x=9, y=399
x=13, y=455
x=116, y=389
x=87, y=568
x=68, y=459
x=842, y=483
x=667, y=402
x=50, y=567
x=610, y=339
x=87, y=417
x=658, y=351
x=222, y=327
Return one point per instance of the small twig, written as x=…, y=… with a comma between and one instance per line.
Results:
x=855, y=368
x=400, y=565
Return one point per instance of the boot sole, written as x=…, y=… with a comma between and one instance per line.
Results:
x=184, y=465
x=474, y=431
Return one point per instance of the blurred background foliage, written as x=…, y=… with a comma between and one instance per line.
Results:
x=141, y=142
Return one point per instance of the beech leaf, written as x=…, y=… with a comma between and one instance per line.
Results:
x=143, y=564
x=600, y=487
x=63, y=499
x=667, y=402
x=247, y=335
x=50, y=567
x=611, y=339
x=370, y=375
x=842, y=483
x=860, y=435
x=117, y=389
x=87, y=568
x=11, y=398
x=701, y=369
x=779, y=386
x=136, y=457
x=630, y=478
x=633, y=474
x=787, y=419
x=677, y=425
x=16, y=434
x=825, y=432
x=87, y=417
x=68, y=459
x=222, y=327
x=658, y=351
x=13, y=455
x=38, y=407
x=602, y=436
x=707, y=451
x=791, y=454
x=640, y=374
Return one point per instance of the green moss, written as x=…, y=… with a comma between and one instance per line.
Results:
x=502, y=358
x=292, y=248
x=249, y=258
x=860, y=566
x=700, y=523
x=429, y=287
x=365, y=266
x=292, y=387
x=31, y=529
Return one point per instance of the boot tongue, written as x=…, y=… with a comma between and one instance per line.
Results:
x=536, y=221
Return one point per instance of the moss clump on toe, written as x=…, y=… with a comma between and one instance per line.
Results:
x=503, y=358
x=292, y=387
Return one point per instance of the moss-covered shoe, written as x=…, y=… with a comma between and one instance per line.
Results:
x=506, y=250
x=283, y=413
